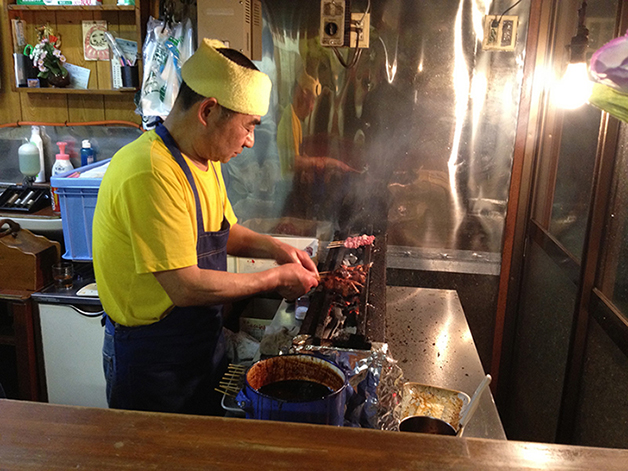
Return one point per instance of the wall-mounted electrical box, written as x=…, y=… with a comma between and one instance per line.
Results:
x=500, y=33
x=334, y=19
x=360, y=26
x=237, y=23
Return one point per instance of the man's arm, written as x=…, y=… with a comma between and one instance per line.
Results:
x=192, y=286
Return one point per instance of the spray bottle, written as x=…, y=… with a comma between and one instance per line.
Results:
x=62, y=164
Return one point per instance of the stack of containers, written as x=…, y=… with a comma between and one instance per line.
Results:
x=77, y=191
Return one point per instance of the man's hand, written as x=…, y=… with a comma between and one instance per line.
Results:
x=286, y=253
x=294, y=280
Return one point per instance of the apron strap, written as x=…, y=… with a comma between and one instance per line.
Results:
x=170, y=143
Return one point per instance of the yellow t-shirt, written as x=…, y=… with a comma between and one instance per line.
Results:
x=144, y=222
x=289, y=139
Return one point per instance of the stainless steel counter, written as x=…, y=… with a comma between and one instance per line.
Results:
x=428, y=335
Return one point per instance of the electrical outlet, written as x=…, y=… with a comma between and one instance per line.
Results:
x=500, y=33
x=360, y=26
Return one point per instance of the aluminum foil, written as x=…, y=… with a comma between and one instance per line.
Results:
x=375, y=381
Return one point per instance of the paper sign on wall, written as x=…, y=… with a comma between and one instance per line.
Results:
x=95, y=47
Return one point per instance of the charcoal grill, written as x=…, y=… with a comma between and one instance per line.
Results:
x=356, y=320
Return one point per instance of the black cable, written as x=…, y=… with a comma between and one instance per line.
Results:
x=496, y=22
x=508, y=9
x=357, y=51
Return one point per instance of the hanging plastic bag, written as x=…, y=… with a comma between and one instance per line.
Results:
x=162, y=67
x=609, y=64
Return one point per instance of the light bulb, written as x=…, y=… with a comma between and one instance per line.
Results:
x=575, y=88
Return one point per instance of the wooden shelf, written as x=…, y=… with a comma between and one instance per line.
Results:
x=76, y=91
x=124, y=21
x=72, y=7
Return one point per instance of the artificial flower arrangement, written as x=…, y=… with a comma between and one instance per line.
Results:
x=47, y=57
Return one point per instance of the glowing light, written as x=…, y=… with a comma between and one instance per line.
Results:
x=478, y=96
x=535, y=454
x=575, y=88
x=461, y=90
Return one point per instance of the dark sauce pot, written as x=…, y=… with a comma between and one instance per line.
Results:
x=424, y=424
x=294, y=388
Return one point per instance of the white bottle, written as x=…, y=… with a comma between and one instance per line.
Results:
x=37, y=141
x=62, y=162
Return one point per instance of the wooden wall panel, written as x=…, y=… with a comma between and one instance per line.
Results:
x=84, y=108
x=121, y=107
x=9, y=101
x=71, y=27
x=103, y=68
x=46, y=107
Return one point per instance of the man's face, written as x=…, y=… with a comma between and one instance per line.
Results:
x=304, y=102
x=228, y=136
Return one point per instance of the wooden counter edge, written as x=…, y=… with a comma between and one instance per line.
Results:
x=39, y=435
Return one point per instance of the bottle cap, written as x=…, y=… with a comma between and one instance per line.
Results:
x=62, y=155
x=86, y=143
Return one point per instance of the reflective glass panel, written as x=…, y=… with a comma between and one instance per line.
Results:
x=613, y=273
x=578, y=144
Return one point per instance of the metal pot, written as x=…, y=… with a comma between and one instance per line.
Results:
x=328, y=409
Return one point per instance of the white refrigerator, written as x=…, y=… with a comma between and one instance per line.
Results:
x=72, y=339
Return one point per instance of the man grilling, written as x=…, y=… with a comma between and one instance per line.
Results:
x=163, y=227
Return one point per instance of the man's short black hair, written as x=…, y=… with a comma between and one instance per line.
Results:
x=188, y=97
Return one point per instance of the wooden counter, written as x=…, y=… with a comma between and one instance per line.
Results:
x=46, y=436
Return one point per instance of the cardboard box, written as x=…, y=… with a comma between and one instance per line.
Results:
x=258, y=315
x=254, y=265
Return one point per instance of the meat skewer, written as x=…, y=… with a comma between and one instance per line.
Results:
x=352, y=242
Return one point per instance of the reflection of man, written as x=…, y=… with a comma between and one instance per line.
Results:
x=290, y=133
x=162, y=229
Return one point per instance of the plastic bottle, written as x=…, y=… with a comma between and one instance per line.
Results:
x=28, y=155
x=62, y=164
x=302, y=305
x=39, y=143
x=87, y=153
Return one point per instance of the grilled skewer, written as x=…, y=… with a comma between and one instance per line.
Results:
x=231, y=382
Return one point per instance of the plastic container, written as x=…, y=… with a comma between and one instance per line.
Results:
x=77, y=199
x=87, y=153
x=28, y=155
x=39, y=143
x=327, y=410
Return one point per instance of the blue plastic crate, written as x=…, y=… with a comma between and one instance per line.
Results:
x=77, y=199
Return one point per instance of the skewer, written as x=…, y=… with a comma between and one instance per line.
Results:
x=226, y=393
x=229, y=380
x=335, y=244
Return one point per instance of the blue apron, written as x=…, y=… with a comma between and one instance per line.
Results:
x=172, y=365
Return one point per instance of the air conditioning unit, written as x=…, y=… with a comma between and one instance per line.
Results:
x=237, y=23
